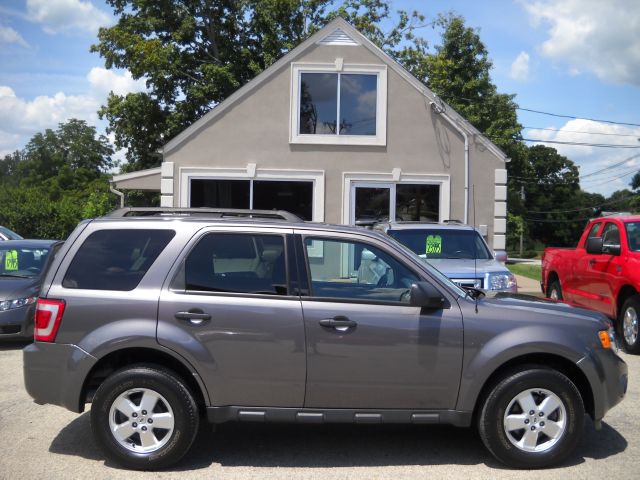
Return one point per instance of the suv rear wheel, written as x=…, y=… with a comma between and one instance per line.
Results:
x=532, y=419
x=144, y=417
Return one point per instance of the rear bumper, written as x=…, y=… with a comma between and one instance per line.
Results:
x=55, y=373
x=608, y=375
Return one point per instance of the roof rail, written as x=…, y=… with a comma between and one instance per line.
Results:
x=205, y=212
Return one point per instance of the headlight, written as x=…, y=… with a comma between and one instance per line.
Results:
x=501, y=281
x=17, y=303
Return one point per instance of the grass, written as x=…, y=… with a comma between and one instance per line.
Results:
x=529, y=271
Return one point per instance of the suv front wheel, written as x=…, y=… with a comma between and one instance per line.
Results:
x=532, y=418
x=144, y=417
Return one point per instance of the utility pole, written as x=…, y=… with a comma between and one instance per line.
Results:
x=522, y=226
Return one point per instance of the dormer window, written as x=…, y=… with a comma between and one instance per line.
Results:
x=339, y=104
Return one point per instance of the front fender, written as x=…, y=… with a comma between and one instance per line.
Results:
x=483, y=360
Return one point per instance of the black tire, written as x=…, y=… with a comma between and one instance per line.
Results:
x=537, y=383
x=174, y=400
x=628, y=323
x=555, y=288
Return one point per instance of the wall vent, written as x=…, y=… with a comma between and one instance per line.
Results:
x=338, y=37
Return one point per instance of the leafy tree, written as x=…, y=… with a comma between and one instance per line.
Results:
x=195, y=53
x=55, y=181
x=635, y=182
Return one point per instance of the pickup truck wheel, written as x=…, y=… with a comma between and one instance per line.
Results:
x=532, y=418
x=555, y=292
x=628, y=325
x=144, y=418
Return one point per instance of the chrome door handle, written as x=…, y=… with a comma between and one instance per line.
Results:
x=194, y=316
x=340, y=323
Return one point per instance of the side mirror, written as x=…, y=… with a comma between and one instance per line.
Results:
x=500, y=255
x=594, y=245
x=425, y=295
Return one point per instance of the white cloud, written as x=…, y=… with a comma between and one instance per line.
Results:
x=104, y=81
x=520, y=67
x=67, y=15
x=9, y=35
x=618, y=173
x=602, y=37
x=21, y=118
x=18, y=115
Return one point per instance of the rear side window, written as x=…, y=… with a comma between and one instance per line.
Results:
x=115, y=259
x=238, y=263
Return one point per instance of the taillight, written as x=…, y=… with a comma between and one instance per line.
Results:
x=48, y=316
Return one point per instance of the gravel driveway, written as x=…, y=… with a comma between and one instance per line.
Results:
x=51, y=443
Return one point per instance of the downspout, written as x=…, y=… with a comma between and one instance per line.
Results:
x=117, y=192
x=440, y=111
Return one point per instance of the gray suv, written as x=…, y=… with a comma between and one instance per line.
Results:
x=162, y=322
x=457, y=250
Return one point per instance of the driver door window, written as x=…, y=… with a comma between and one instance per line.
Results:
x=357, y=271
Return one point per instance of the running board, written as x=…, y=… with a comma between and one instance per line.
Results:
x=337, y=415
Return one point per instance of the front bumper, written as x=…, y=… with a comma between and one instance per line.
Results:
x=55, y=373
x=608, y=375
x=17, y=323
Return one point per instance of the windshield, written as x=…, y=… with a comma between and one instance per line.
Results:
x=433, y=270
x=435, y=243
x=633, y=236
x=22, y=261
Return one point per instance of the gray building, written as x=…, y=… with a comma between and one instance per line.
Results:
x=335, y=131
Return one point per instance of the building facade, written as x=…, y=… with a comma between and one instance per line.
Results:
x=336, y=131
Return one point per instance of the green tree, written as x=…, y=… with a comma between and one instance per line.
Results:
x=195, y=53
x=635, y=182
x=55, y=181
x=459, y=71
x=554, y=216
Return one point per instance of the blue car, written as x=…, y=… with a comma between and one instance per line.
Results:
x=22, y=263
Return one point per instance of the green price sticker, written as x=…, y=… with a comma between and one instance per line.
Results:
x=434, y=244
x=11, y=261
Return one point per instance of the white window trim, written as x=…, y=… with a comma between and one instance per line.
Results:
x=316, y=176
x=379, y=139
x=351, y=180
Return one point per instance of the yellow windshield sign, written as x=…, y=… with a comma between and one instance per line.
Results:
x=11, y=261
x=434, y=245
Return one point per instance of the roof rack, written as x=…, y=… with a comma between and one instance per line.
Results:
x=205, y=212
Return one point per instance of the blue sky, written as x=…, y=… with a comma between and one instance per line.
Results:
x=573, y=57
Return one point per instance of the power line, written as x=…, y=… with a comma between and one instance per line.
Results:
x=579, y=144
x=577, y=118
x=541, y=112
x=558, y=142
x=609, y=202
x=611, y=166
x=559, y=130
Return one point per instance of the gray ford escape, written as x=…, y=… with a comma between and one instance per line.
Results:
x=158, y=321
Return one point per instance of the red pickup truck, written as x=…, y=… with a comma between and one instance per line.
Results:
x=602, y=273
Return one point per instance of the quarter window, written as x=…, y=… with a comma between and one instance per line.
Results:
x=237, y=263
x=356, y=271
x=611, y=234
x=115, y=259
